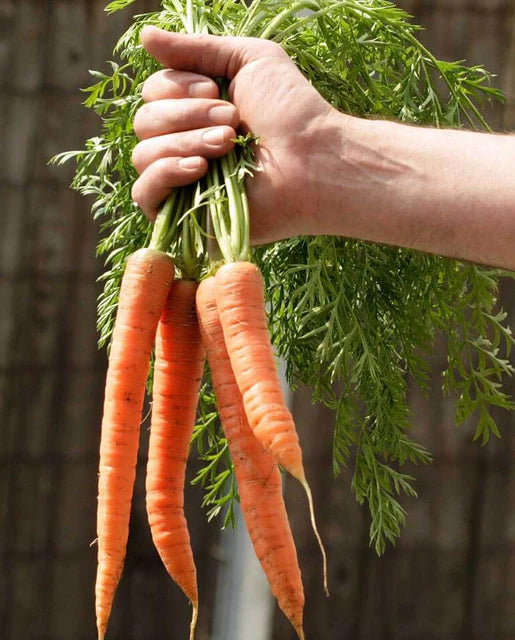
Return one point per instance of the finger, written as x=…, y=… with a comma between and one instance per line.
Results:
x=172, y=84
x=209, y=143
x=213, y=56
x=156, y=183
x=170, y=116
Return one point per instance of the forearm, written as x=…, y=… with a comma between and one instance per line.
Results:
x=445, y=192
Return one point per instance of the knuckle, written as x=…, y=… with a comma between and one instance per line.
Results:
x=264, y=48
x=148, y=87
x=157, y=85
x=181, y=144
x=136, y=194
x=139, y=120
x=136, y=158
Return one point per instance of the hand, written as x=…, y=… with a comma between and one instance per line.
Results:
x=184, y=123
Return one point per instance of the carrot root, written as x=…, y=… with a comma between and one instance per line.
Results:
x=240, y=297
x=143, y=292
x=194, y=618
x=178, y=369
x=309, y=495
x=257, y=473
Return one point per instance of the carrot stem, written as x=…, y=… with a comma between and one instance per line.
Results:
x=165, y=225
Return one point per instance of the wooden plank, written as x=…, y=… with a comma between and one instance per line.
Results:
x=29, y=536
x=77, y=503
x=53, y=138
x=18, y=141
x=27, y=62
x=509, y=77
x=11, y=236
x=66, y=57
x=50, y=232
x=71, y=607
x=27, y=595
x=8, y=294
x=7, y=27
x=43, y=304
x=82, y=352
x=81, y=416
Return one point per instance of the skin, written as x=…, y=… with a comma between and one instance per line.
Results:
x=445, y=192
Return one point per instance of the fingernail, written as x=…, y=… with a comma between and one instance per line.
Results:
x=190, y=163
x=214, y=137
x=202, y=89
x=221, y=114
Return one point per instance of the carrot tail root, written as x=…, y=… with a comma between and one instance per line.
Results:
x=309, y=495
x=194, y=618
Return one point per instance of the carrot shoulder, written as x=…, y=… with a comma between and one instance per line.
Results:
x=179, y=365
x=241, y=302
x=259, y=480
x=144, y=288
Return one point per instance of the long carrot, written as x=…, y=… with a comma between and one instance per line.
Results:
x=259, y=480
x=179, y=365
x=145, y=285
x=241, y=303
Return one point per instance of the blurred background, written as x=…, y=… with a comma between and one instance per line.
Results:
x=451, y=576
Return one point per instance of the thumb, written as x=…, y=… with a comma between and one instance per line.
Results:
x=214, y=56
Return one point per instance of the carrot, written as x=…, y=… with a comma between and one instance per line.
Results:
x=257, y=473
x=178, y=370
x=145, y=285
x=241, y=303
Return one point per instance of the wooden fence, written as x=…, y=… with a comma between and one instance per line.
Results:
x=453, y=573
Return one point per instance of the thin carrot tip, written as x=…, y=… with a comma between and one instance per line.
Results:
x=307, y=489
x=194, y=618
x=300, y=633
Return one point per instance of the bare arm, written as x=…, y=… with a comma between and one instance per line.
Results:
x=450, y=193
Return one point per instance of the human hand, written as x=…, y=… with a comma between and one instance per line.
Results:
x=269, y=97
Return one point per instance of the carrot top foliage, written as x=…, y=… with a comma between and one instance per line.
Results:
x=353, y=320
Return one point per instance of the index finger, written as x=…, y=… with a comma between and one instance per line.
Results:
x=215, y=56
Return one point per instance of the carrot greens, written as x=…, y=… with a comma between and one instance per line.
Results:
x=354, y=320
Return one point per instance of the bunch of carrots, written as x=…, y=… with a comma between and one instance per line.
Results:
x=194, y=292
x=222, y=317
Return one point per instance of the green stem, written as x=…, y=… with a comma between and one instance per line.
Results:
x=301, y=21
x=216, y=229
x=229, y=216
x=164, y=225
x=451, y=87
x=252, y=22
x=238, y=212
x=287, y=13
x=190, y=23
x=190, y=262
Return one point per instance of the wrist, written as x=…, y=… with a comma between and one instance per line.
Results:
x=329, y=179
x=355, y=175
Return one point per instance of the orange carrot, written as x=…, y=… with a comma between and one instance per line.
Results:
x=178, y=370
x=257, y=473
x=241, y=303
x=145, y=285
